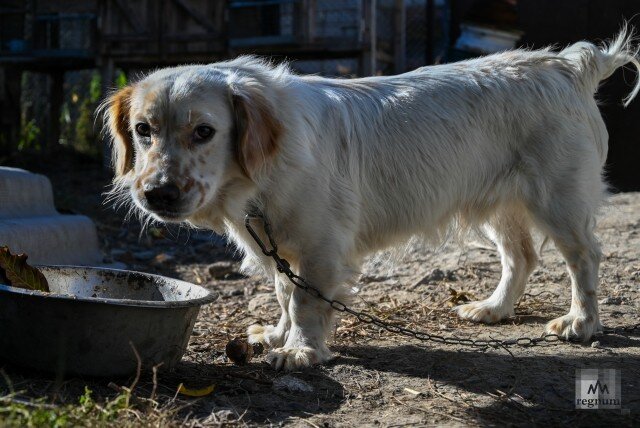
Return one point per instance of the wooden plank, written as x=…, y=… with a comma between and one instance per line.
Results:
x=431, y=34
x=190, y=37
x=10, y=119
x=128, y=16
x=260, y=3
x=385, y=57
x=400, y=37
x=56, y=99
x=313, y=11
x=195, y=15
x=370, y=39
x=107, y=70
x=115, y=37
x=4, y=10
x=307, y=16
x=262, y=41
x=334, y=49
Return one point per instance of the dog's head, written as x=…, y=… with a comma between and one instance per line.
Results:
x=181, y=135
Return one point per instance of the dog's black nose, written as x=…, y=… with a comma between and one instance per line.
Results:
x=162, y=197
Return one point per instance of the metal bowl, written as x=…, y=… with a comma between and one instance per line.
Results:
x=91, y=319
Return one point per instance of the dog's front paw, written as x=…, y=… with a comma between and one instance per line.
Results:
x=290, y=359
x=485, y=311
x=268, y=335
x=574, y=326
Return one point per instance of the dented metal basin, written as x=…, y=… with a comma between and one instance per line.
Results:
x=92, y=317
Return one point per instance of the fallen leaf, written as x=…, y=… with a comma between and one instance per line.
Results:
x=3, y=278
x=196, y=392
x=162, y=258
x=457, y=297
x=19, y=274
x=413, y=392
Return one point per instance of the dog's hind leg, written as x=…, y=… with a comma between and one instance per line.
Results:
x=511, y=233
x=569, y=220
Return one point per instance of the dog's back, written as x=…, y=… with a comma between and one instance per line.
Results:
x=468, y=136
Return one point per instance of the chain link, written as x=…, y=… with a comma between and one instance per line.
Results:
x=283, y=266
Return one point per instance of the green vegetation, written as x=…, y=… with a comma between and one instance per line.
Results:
x=37, y=413
x=77, y=118
x=95, y=87
x=86, y=411
x=29, y=136
x=79, y=127
x=121, y=79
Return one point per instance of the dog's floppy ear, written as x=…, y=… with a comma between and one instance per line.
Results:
x=117, y=120
x=257, y=130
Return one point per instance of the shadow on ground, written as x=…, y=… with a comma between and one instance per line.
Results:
x=524, y=389
x=519, y=389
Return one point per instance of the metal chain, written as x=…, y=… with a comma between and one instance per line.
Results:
x=284, y=267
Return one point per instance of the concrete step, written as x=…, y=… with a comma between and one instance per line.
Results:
x=56, y=239
x=29, y=223
x=23, y=193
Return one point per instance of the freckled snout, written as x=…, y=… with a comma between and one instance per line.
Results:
x=163, y=197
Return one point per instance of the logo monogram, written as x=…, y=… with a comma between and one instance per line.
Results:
x=594, y=388
x=598, y=389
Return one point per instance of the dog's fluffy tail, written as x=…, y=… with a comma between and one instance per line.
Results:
x=595, y=63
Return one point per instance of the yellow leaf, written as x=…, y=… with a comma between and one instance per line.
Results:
x=200, y=392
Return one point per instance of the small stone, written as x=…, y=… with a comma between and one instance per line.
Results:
x=220, y=269
x=595, y=344
x=221, y=359
x=249, y=290
x=611, y=300
x=436, y=275
x=291, y=384
x=144, y=255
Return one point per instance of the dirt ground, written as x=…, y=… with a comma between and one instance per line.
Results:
x=376, y=378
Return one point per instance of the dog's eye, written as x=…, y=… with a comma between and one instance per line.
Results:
x=202, y=133
x=143, y=129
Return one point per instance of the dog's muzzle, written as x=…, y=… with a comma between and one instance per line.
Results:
x=163, y=198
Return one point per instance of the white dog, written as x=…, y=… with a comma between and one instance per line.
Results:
x=342, y=168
